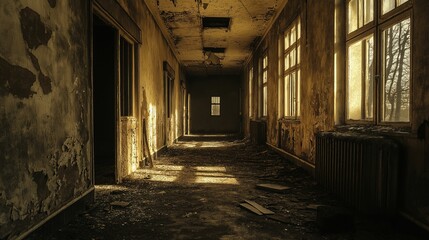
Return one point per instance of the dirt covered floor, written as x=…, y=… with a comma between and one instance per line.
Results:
x=195, y=190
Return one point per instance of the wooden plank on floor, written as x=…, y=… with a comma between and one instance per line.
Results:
x=273, y=187
x=262, y=209
x=251, y=208
x=119, y=204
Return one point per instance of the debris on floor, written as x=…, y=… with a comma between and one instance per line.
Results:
x=251, y=208
x=119, y=204
x=273, y=187
x=259, y=207
x=193, y=193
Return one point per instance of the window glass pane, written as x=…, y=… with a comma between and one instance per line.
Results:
x=298, y=28
x=215, y=110
x=387, y=5
x=369, y=78
x=293, y=57
x=369, y=11
x=292, y=35
x=298, y=89
x=215, y=100
x=352, y=16
x=264, y=76
x=360, y=13
x=287, y=95
x=287, y=62
x=400, y=2
x=396, y=75
x=354, y=81
x=293, y=94
x=298, y=55
x=265, y=100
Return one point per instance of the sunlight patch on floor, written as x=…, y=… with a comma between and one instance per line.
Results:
x=216, y=180
x=211, y=169
x=110, y=187
x=203, y=144
x=178, y=173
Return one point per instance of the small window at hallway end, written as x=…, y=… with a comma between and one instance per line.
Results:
x=215, y=103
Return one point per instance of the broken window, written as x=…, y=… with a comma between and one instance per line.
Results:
x=292, y=74
x=126, y=77
x=378, y=94
x=215, y=106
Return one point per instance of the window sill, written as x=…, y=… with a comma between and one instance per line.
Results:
x=289, y=120
x=384, y=130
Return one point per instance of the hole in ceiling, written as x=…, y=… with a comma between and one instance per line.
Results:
x=214, y=50
x=216, y=22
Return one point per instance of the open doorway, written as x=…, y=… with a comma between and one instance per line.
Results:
x=104, y=101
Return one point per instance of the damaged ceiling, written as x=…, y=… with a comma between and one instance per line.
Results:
x=216, y=36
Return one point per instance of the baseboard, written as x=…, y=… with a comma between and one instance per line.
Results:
x=296, y=160
x=60, y=217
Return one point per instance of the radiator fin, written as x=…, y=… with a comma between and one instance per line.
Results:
x=361, y=170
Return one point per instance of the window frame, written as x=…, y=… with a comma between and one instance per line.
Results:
x=376, y=27
x=296, y=68
x=346, y=94
x=215, y=103
x=401, y=16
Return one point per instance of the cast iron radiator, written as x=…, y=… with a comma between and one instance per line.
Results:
x=361, y=170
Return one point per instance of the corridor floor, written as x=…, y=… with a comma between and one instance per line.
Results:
x=195, y=189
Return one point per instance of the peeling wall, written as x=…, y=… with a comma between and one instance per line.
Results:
x=44, y=110
x=317, y=65
x=153, y=51
x=317, y=95
x=128, y=145
x=201, y=90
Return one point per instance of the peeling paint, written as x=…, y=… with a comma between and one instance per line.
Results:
x=45, y=138
x=16, y=80
x=40, y=178
x=52, y=3
x=45, y=83
x=34, y=31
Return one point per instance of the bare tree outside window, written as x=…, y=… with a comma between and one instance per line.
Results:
x=396, y=56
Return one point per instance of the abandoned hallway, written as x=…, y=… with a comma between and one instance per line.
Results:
x=328, y=99
x=195, y=189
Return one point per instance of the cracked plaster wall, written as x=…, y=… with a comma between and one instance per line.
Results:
x=153, y=51
x=317, y=107
x=317, y=51
x=44, y=110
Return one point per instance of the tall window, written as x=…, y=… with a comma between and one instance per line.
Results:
x=264, y=84
x=292, y=74
x=215, y=106
x=378, y=60
x=250, y=82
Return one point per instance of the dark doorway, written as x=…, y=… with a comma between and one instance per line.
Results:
x=104, y=101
